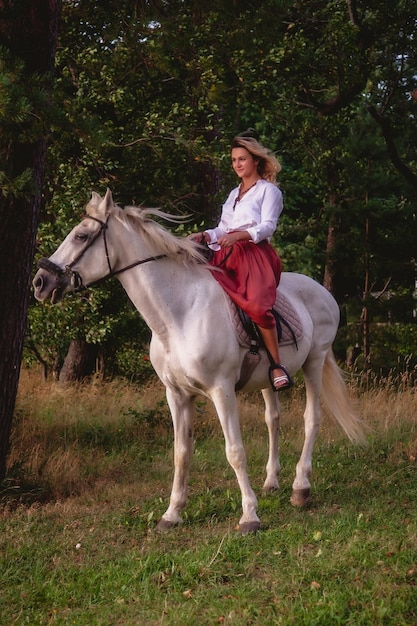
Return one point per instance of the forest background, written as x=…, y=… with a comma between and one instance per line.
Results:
x=146, y=97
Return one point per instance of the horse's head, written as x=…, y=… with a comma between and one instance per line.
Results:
x=92, y=251
x=83, y=256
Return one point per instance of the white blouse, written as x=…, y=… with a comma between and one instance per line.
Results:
x=257, y=212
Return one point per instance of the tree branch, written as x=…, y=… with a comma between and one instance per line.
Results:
x=386, y=129
x=365, y=39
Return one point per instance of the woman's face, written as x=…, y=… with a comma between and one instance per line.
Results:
x=244, y=164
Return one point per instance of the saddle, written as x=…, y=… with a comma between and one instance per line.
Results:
x=289, y=331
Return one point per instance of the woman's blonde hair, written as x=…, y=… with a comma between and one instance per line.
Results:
x=268, y=165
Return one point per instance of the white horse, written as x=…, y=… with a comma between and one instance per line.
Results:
x=194, y=347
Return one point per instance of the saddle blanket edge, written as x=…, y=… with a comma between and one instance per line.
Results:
x=286, y=311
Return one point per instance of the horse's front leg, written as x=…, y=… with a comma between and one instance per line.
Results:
x=182, y=412
x=272, y=420
x=227, y=411
x=312, y=416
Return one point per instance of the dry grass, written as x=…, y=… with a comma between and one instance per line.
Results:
x=76, y=441
x=66, y=439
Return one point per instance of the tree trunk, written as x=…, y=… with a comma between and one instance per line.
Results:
x=28, y=31
x=329, y=269
x=332, y=232
x=79, y=363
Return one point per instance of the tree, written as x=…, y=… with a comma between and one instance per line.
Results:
x=28, y=31
x=152, y=92
x=342, y=66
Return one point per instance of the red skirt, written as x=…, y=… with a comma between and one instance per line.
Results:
x=250, y=275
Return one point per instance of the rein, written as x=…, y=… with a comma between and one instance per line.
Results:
x=76, y=279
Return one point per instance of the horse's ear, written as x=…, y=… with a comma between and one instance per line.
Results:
x=107, y=202
x=95, y=198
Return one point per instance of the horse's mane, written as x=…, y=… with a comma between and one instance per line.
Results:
x=180, y=249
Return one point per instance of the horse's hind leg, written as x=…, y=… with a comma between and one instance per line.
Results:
x=272, y=420
x=182, y=412
x=313, y=369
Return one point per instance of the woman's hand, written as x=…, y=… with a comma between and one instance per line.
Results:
x=197, y=237
x=231, y=238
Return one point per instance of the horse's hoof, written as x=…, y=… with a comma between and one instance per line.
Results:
x=270, y=490
x=300, y=497
x=165, y=525
x=248, y=528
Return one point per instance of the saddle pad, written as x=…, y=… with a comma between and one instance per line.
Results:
x=284, y=308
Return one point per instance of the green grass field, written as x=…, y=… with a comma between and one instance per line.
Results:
x=90, y=475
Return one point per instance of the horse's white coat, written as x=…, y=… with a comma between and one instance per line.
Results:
x=194, y=349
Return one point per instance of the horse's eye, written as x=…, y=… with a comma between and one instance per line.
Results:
x=81, y=237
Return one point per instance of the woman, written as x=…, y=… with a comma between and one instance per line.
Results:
x=252, y=268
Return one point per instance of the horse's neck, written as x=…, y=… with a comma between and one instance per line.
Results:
x=164, y=292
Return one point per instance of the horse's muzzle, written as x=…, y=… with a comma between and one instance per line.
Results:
x=50, y=281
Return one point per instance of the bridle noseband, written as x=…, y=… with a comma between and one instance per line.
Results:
x=75, y=278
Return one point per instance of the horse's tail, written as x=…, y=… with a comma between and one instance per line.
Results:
x=336, y=399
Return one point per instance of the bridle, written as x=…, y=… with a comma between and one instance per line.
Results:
x=75, y=278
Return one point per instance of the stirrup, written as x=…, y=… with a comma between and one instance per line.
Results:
x=289, y=381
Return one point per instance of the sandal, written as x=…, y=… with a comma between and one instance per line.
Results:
x=276, y=382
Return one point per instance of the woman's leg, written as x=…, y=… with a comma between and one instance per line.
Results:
x=279, y=376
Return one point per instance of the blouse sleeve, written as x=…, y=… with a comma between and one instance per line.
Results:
x=270, y=210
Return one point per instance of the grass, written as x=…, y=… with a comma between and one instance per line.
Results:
x=90, y=475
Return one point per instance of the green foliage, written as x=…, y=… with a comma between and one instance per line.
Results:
x=153, y=418
x=147, y=97
x=392, y=348
x=22, y=97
